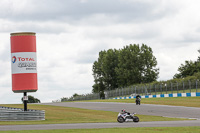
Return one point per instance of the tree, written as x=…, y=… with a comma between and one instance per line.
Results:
x=136, y=65
x=119, y=68
x=149, y=72
x=75, y=95
x=98, y=73
x=31, y=99
x=110, y=63
x=190, y=68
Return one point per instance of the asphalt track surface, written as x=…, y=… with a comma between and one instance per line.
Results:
x=146, y=109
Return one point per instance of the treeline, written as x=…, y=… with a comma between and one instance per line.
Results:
x=190, y=68
x=133, y=64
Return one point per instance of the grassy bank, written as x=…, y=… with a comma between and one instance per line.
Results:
x=119, y=130
x=175, y=101
x=57, y=115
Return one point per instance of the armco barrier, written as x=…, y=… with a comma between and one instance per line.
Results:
x=193, y=94
x=17, y=114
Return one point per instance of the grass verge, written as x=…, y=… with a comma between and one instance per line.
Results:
x=119, y=130
x=175, y=101
x=58, y=115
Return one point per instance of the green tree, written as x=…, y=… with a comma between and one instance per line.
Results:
x=190, y=68
x=148, y=63
x=124, y=67
x=136, y=65
x=110, y=62
x=75, y=95
x=98, y=74
x=104, y=73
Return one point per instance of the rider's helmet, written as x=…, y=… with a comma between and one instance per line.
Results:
x=138, y=96
x=123, y=111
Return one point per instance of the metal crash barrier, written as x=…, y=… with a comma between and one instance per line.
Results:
x=17, y=114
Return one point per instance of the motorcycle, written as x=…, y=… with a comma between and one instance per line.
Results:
x=127, y=117
x=137, y=101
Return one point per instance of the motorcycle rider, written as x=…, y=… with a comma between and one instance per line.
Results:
x=138, y=98
x=123, y=111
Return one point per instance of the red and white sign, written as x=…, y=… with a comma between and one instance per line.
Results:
x=24, y=62
x=25, y=98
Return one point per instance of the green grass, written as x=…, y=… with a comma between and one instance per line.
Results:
x=118, y=130
x=174, y=91
x=58, y=115
x=175, y=101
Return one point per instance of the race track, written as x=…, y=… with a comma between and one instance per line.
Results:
x=146, y=109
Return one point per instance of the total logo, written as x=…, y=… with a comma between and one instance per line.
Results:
x=14, y=59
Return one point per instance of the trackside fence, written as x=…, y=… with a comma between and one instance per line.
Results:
x=144, y=90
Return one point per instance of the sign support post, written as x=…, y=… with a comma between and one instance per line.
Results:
x=25, y=101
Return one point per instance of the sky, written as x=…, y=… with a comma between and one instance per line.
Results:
x=71, y=33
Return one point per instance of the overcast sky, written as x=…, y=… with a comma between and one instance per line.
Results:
x=71, y=33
